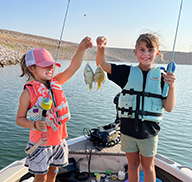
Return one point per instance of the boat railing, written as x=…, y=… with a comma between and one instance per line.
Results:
x=180, y=167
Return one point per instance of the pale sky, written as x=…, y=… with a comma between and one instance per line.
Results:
x=121, y=21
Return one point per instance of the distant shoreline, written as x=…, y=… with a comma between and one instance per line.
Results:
x=13, y=45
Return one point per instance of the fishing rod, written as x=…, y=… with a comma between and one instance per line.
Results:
x=62, y=30
x=46, y=102
x=172, y=66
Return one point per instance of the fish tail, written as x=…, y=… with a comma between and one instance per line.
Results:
x=99, y=86
x=90, y=87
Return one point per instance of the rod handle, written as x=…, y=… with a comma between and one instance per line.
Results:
x=170, y=68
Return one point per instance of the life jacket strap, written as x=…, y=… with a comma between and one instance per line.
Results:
x=137, y=110
x=144, y=94
x=59, y=119
x=34, y=147
x=53, y=126
x=146, y=113
x=57, y=108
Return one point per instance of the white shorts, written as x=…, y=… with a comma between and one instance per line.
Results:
x=39, y=161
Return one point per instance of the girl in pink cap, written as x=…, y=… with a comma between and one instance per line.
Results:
x=46, y=148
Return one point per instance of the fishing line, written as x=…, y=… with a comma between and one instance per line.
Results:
x=124, y=17
x=62, y=30
x=120, y=20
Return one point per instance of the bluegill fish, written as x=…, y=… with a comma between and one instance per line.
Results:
x=89, y=76
x=99, y=76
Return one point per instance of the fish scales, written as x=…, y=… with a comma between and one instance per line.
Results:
x=99, y=76
x=89, y=76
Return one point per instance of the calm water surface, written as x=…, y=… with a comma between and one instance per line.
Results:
x=92, y=109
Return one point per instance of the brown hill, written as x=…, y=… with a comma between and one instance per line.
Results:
x=14, y=44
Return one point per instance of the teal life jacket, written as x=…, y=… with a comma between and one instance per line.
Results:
x=147, y=104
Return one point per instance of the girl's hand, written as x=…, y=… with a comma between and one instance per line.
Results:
x=39, y=125
x=170, y=79
x=86, y=43
x=101, y=42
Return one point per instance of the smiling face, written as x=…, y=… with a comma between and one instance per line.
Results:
x=146, y=50
x=145, y=55
x=42, y=74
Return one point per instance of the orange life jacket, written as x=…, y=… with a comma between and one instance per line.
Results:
x=57, y=116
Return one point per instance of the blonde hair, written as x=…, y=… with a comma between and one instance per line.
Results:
x=25, y=69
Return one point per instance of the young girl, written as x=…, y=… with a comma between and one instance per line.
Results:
x=38, y=65
x=140, y=104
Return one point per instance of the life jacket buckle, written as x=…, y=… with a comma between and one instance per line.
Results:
x=123, y=92
x=130, y=112
x=131, y=91
x=122, y=110
x=144, y=113
x=147, y=94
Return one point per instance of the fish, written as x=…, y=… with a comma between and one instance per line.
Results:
x=99, y=76
x=89, y=76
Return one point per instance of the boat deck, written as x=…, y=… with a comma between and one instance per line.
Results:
x=85, y=153
x=90, y=179
x=85, y=146
x=85, y=158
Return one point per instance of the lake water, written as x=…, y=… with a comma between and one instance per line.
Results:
x=93, y=109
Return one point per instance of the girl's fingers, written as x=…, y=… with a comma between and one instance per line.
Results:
x=101, y=40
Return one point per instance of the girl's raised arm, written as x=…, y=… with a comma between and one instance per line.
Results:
x=100, y=58
x=75, y=62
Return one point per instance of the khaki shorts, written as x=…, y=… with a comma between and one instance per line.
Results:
x=146, y=147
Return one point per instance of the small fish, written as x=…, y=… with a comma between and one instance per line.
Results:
x=99, y=76
x=89, y=76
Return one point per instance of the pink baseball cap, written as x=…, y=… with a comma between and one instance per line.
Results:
x=40, y=57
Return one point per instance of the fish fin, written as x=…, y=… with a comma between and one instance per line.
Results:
x=90, y=87
x=99, y=86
